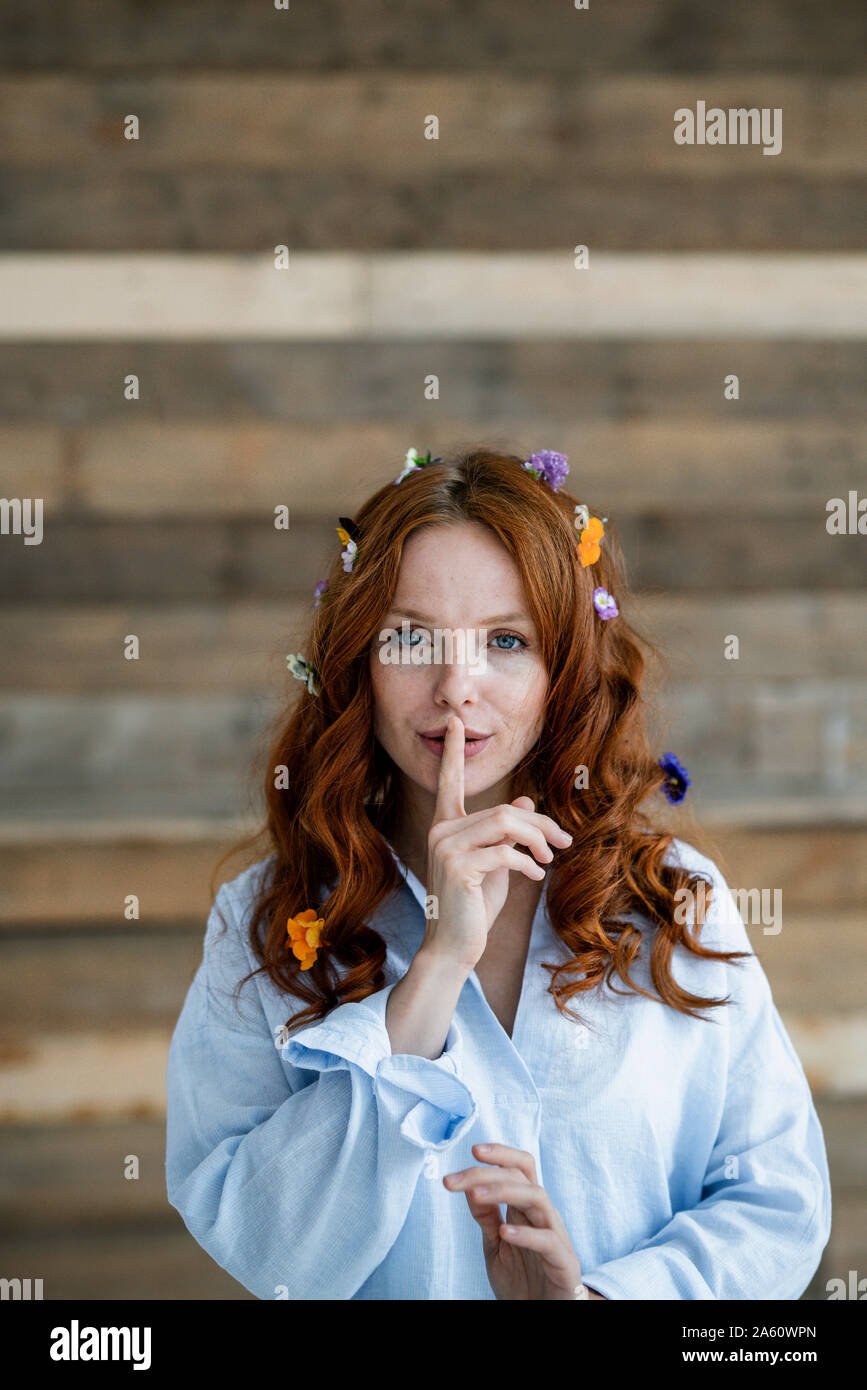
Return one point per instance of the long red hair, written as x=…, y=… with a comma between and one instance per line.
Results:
x=341, y=796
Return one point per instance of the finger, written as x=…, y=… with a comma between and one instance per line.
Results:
x=532, y=1202
x=500, y=825
x=521, y=803
x=468, y=1176
x=487, y=1215
x=450, y=787
x=506, y=1157
x=560, y=1261
x=549, y=828
x=504, y=856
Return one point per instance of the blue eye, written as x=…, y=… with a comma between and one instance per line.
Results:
x=421, y=634
x=510, y=636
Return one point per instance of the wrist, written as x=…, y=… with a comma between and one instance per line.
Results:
x=431, y=963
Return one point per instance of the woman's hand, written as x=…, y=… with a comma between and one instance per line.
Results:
x=535, y=1259
x=469, y=858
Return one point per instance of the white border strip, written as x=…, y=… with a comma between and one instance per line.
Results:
x=462, y=295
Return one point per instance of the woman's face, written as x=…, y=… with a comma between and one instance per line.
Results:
x=459, y=579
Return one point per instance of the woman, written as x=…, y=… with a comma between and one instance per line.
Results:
x=457, y=859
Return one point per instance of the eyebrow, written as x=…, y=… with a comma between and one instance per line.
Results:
x=485, y=622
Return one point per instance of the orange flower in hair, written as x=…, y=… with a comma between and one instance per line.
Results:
x=588, y=549
x=304, y=936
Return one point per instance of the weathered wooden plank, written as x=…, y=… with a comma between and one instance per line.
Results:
x=72, y=210
x=185, y=753
x=32, y=464
x=142, y=470
x=136, y=977
x=819, y=867
x=186, y=560
x=216, y=647
x=84, y=1075
x=57, y=1178
x=136, y=1260
x=847, y=1246
x=424, y=294
x=631, y=35
x=167, y=559
x=81, y=1076
x=62, y=876
x=816, y=962
x=621, y=124
x=526, y=386
x=63, y=880
x=226, y=647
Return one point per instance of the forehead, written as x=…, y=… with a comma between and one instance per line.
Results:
x=460, y=560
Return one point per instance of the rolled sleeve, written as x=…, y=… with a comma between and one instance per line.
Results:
x=297, y=1175
x=427, y=1098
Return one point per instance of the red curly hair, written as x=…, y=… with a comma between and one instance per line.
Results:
x=342, y=798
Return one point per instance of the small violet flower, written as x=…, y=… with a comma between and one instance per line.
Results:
x=678, y=778
x=318, y=592
x=551, y=467
x=604, y=603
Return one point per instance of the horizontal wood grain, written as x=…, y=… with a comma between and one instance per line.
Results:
x=242, y=210
x=516, y=387
x=632, y=35
x=67, y=1179
x=115, y=1076
x=137, y=975
x=187, y=560
x=140, y=469
x=511, y=295
x=59, y=877
x=225, y=646
x=376, y=120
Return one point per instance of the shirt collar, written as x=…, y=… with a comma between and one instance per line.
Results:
x=414, y=884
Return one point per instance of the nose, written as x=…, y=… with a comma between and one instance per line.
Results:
x=457, y=682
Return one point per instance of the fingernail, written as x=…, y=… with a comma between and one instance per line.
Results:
x=483, y=1148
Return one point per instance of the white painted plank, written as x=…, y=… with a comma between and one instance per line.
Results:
x=415, y=295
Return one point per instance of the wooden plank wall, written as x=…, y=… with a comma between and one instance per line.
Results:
x=303, y=128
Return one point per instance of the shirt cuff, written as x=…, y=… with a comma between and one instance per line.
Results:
x=355, y=1034
x=643, y=1275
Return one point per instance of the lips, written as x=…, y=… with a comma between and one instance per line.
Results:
x=473, y=747
x=469, y=734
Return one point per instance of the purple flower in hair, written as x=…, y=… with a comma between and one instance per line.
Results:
x=549, y=466
x=678, y=778
x=318, y=592
x=604, y=602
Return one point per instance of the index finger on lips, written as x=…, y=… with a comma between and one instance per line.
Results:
x=450, y=788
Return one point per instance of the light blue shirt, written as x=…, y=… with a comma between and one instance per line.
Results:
x=684, y=1156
